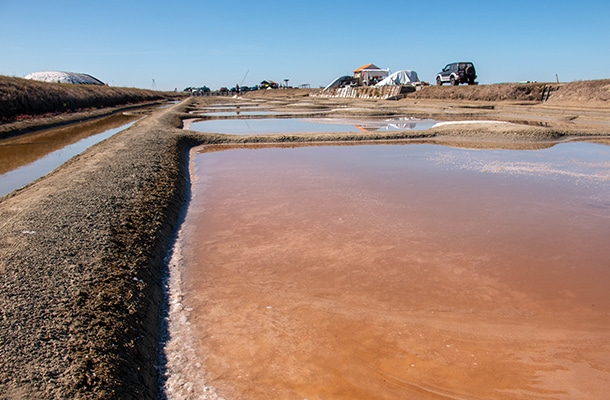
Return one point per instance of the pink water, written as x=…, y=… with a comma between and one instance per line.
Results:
x=395, y=271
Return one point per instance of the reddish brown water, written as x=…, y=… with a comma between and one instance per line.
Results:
x=27, y=157
x=400, y=272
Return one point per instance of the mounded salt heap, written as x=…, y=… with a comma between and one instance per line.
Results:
x=64, y=77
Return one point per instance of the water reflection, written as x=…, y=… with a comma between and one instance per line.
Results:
x=28, y=157
x=396, y=271
x=229, y=105
x=239, y=112
x=264, y=126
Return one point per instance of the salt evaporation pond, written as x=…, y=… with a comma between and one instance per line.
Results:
x=28, y=157
x=239, y=112
x=229, y=105
x=265, y=126
x=393, y=271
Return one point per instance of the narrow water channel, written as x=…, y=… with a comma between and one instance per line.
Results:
x=268, y=126
x=25, y=158
x=393, y=271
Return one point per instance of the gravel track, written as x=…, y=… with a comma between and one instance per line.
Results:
x=82, y=256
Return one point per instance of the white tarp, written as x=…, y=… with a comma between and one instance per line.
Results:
x=64, y=77
x=404, y=77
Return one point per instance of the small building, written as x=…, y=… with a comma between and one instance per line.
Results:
x=268, y=85
x=370, y=74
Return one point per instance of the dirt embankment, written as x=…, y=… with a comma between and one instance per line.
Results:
x=81, y=250
x=580, y=93
x=530, y=92
x=24, y=99
x=583, y=93
x=574, y=94
x=81, y=257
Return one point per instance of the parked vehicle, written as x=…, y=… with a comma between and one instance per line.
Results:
x=456, y=73
x=197, y=90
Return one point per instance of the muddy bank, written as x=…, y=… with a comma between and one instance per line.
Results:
x=31, y=124
x=81, y=250
x=82, y=256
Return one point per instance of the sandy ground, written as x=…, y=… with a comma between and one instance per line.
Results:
x=82, y=249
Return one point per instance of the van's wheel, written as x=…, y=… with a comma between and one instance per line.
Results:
x=439, y=82
x=453, y=81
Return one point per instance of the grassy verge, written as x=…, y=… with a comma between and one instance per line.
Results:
x=24, y=98
x=591, y=93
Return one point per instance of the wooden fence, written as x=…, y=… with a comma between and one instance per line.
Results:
x=368, y=92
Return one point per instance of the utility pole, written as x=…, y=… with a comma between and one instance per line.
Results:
x=242, y=81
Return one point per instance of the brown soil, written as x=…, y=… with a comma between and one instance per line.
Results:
x=82, y=249
x=25, y=98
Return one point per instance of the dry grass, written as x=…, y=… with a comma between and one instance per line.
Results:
x=23, y=97
x=594, y=92
x=498, y=92
x=583, y=91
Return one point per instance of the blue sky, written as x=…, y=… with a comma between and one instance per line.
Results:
x=221, y=43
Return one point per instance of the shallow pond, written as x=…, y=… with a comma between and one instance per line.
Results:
x=229, y=106
x=393, y=271
x=28, y=157
x=264, y=126
x=239, y=112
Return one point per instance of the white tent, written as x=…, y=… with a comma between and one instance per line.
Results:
x=370, y=75
x=404, y=77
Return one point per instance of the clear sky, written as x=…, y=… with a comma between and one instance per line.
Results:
x=183, y=43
